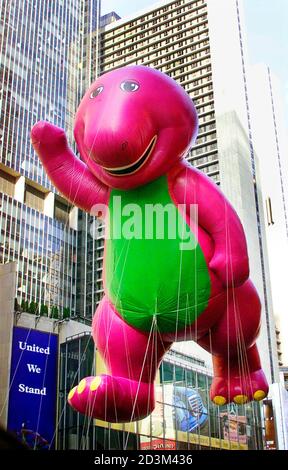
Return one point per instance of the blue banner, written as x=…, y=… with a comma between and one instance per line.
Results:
x=33, y=387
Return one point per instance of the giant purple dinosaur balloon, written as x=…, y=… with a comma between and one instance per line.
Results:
x=133, y=129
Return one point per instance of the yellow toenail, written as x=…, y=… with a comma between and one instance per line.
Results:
x=81, y=386
x=71, y=393
x=240, y=399
x=95, y=384
x=219, y=400
x=259, y=395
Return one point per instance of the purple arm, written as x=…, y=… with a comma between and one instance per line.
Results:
x=68, y=174
x=218, y=218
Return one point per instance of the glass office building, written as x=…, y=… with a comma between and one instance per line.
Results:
x=183, y=418
x=43, y=74
x=46, y=252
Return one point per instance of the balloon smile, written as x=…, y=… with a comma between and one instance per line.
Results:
x=129, y=169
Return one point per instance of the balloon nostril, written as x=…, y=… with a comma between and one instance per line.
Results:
x=124, y=145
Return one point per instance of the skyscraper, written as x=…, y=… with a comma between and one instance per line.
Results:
x=189, y=41
x=271, y=146
x=43, y=72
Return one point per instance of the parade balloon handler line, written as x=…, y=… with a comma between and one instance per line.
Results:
x=14, y=375
x=11, y=382
x=87, y=414
x=40, y=404
x=65, y=226
x=90, y=418
x=156, y=327
x=75, y=376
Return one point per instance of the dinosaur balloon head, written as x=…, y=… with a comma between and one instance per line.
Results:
x=133, y=124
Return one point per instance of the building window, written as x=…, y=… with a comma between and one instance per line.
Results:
x=269, y=211
x=61, y=211
x=7, y=183
x=34, y=198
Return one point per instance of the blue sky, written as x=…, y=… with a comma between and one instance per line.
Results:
x=267, y=29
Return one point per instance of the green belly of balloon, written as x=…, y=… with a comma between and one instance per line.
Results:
x=156, y=274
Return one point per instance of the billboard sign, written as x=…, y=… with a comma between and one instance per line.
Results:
x=33, y=387
x=234, y=427
x=189, y=411
x=178, y=408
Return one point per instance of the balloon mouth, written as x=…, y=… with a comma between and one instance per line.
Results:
x=132, y=168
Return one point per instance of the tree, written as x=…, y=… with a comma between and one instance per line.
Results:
x=54, y=312
x=66, y=312
x=33, y=307
x=44, y=310
x=25, y=305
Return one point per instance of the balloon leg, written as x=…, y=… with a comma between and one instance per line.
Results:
x=238, y=375
x=132, y=359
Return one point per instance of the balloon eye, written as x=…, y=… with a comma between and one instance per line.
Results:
x=129, y=85
x=97, y=91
